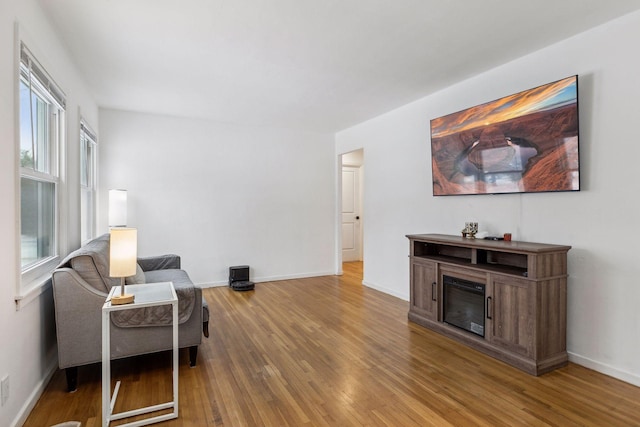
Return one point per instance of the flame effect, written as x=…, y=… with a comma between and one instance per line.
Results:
x=541, y=98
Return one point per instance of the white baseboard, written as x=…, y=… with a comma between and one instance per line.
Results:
x=385, y=290
x=294, y=276
x=31, y=401
x=270, y=278
x=212, y=284
x=603, y=368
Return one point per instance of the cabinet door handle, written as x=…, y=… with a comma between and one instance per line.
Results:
x=489, y=308
x=433, y=292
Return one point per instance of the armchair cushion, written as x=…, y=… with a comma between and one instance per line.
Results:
x=161, y=262
x=154, y=316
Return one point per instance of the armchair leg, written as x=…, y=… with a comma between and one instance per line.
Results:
x=193, y=354
x=72, y=378
x=205, y=329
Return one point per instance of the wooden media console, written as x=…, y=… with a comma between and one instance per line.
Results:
x=524, y=290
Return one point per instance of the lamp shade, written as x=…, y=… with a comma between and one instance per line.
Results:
x=123, y=252
x=117, y=208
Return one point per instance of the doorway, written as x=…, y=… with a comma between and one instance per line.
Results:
x=352, y=210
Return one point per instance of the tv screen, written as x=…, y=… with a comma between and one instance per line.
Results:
x=525, y=142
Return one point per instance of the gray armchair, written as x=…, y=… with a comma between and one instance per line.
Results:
x=80, y=286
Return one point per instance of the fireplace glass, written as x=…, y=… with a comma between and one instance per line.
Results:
x=463, y=304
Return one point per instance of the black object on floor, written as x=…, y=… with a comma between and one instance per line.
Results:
x=239, y=278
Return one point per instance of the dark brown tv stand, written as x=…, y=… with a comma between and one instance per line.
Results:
x=525, y=296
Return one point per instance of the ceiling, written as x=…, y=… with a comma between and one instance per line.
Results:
x=321, y=65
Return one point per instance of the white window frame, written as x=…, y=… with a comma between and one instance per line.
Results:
x=34, y=276
x=88, y=182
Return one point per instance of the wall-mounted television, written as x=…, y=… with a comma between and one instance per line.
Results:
x=522, y=143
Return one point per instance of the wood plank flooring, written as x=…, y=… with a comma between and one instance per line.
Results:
x=328, y=351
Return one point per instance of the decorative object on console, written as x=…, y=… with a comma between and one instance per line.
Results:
x=123, y=253
x=470, y=230
x=525, y=142
x=117, y=208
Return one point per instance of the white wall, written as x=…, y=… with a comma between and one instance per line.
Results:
x=221, y=195
x=28, y=353
x=603, y=314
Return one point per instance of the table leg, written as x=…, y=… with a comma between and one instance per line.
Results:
x=175, y=358
x=106, y=370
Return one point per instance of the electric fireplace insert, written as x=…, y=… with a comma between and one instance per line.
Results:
x=463, y=304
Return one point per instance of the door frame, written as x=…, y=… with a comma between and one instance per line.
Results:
x=338, y=213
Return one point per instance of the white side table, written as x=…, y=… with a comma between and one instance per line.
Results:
x=146, y=295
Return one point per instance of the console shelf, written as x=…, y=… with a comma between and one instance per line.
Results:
x=525, y=291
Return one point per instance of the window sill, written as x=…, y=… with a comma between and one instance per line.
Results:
x=32, y=291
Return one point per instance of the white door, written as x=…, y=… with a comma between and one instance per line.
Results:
x=350, y=214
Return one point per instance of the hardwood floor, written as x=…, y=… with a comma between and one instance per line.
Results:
x=328, y=351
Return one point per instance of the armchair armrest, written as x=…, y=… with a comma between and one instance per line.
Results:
x=78, y=307
x=161, y=262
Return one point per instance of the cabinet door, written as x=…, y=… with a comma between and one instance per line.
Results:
x=511, y=313
x=424, y=289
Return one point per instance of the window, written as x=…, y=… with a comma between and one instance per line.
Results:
x=42, y=107
x=88, y=182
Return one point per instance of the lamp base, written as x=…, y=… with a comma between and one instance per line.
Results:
x=122, y=299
